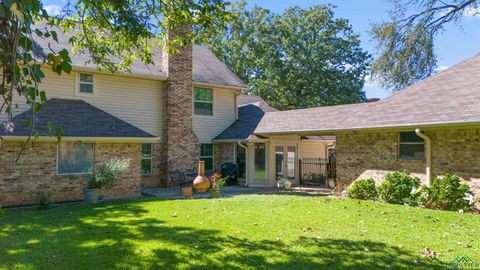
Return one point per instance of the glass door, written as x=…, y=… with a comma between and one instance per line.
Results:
x=286, y=161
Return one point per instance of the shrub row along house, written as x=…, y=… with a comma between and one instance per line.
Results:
x=165, y=117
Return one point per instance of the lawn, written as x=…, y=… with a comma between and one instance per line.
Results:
x=283, y=231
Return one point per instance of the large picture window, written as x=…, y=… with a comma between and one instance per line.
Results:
x=206, y=154
x=203, y=101
x=75, y=158
x=411, y=146
x=146, y=158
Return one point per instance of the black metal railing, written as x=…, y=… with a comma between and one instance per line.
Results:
x=317, y=171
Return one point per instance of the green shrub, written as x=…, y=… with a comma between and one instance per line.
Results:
x=107, y=174
x=399, y=188
x=43, y=199
x=363, y=189
x=448, y=193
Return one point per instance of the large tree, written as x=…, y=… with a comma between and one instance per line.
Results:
x=114, y=33
x=406, y=42
x=298, y=59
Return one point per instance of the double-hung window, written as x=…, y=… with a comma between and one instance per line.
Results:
x=75, y=158
x=410, y=146
x=203, y=101
x=206, y=154
x=146, y=159
x=85, y=84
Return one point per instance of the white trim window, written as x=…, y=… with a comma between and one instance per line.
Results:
x=206, y=154
x=203, y=101
x=75, y=158
x=410, y=146
x=86, y=84
x=146, y=165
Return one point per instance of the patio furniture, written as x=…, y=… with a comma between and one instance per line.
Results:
x=191, y=174
x=177, y=178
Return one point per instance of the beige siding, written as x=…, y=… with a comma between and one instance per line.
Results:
x=313, y=149
x=134, y=100
x=208, y=127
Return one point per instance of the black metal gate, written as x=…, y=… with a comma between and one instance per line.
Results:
x=317, y=172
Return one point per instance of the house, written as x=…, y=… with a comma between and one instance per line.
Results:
x=161, y=117
x=430, y=129
x=261, y=160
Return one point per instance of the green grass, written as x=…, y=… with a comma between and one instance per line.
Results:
x=283, y=231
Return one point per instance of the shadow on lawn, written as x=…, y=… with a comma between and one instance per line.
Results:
x=97, y=238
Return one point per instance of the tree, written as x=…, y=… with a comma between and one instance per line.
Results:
x=114, y=33
x=299, y=59
x=406, y=42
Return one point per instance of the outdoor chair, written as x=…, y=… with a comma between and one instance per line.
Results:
x=177, y=178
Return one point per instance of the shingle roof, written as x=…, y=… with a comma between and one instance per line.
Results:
x=250, y=111
x=449, y=97
x=207, y=68
x=77, y=119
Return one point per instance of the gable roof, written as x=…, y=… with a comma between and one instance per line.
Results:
x=206, y=67
x=449, y=97
x=77, y=119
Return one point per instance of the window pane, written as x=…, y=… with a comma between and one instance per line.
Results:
x=202, y=108
x=203, y=94
x=410, y=137
x=146, y=150
x=86, y=88
x=75, y=157
x=88, y=78
x=146, y=166
x=411, y=151
x=206, y=149
x=208, y=163
x=260, y=161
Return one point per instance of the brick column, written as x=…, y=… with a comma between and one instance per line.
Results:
x=182, y=145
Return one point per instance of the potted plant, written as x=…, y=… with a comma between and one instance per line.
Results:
x=217, y=184
x=187, y=190
x=284, y=183
x=103, y=177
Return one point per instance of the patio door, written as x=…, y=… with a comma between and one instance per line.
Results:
x=286, y=161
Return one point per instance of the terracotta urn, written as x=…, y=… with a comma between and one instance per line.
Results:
x=201, y=183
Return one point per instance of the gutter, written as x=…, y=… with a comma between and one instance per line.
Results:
x=85, y=139
x=247, y=166
x=428, y=155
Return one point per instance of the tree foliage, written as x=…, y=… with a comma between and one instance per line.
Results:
x=114, y=33
x=299, y=59
x=406, y=42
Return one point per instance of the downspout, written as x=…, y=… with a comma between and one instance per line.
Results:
x=428, y=155
x=246, y=162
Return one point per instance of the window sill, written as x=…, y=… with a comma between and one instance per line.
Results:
x=411, y=159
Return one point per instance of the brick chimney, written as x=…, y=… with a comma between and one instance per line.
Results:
x=182, y=145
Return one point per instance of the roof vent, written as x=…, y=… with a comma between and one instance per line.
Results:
x=370, y=100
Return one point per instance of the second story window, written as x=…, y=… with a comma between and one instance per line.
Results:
x=85, y=83
x=203, y=101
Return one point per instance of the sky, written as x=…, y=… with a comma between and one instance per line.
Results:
x=457, y=43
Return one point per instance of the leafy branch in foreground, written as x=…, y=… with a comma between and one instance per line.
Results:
x=406, y=43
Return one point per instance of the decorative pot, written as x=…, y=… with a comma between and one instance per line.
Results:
x=215, y=192
x=201, y=183
x=187, y=192
x=90, y=196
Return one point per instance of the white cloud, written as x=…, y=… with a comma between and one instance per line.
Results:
x=53, y=10
x=472, y=12
x=441, y=68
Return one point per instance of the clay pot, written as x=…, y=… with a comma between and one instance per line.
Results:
x=201, y=183
x=187, y=192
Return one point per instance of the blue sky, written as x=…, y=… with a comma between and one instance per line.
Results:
x=457, y=43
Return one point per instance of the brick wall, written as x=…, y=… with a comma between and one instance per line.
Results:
x=36, y=171
x=374, y=154
x=223, y=153
x=182, y=145
x=158, y=178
